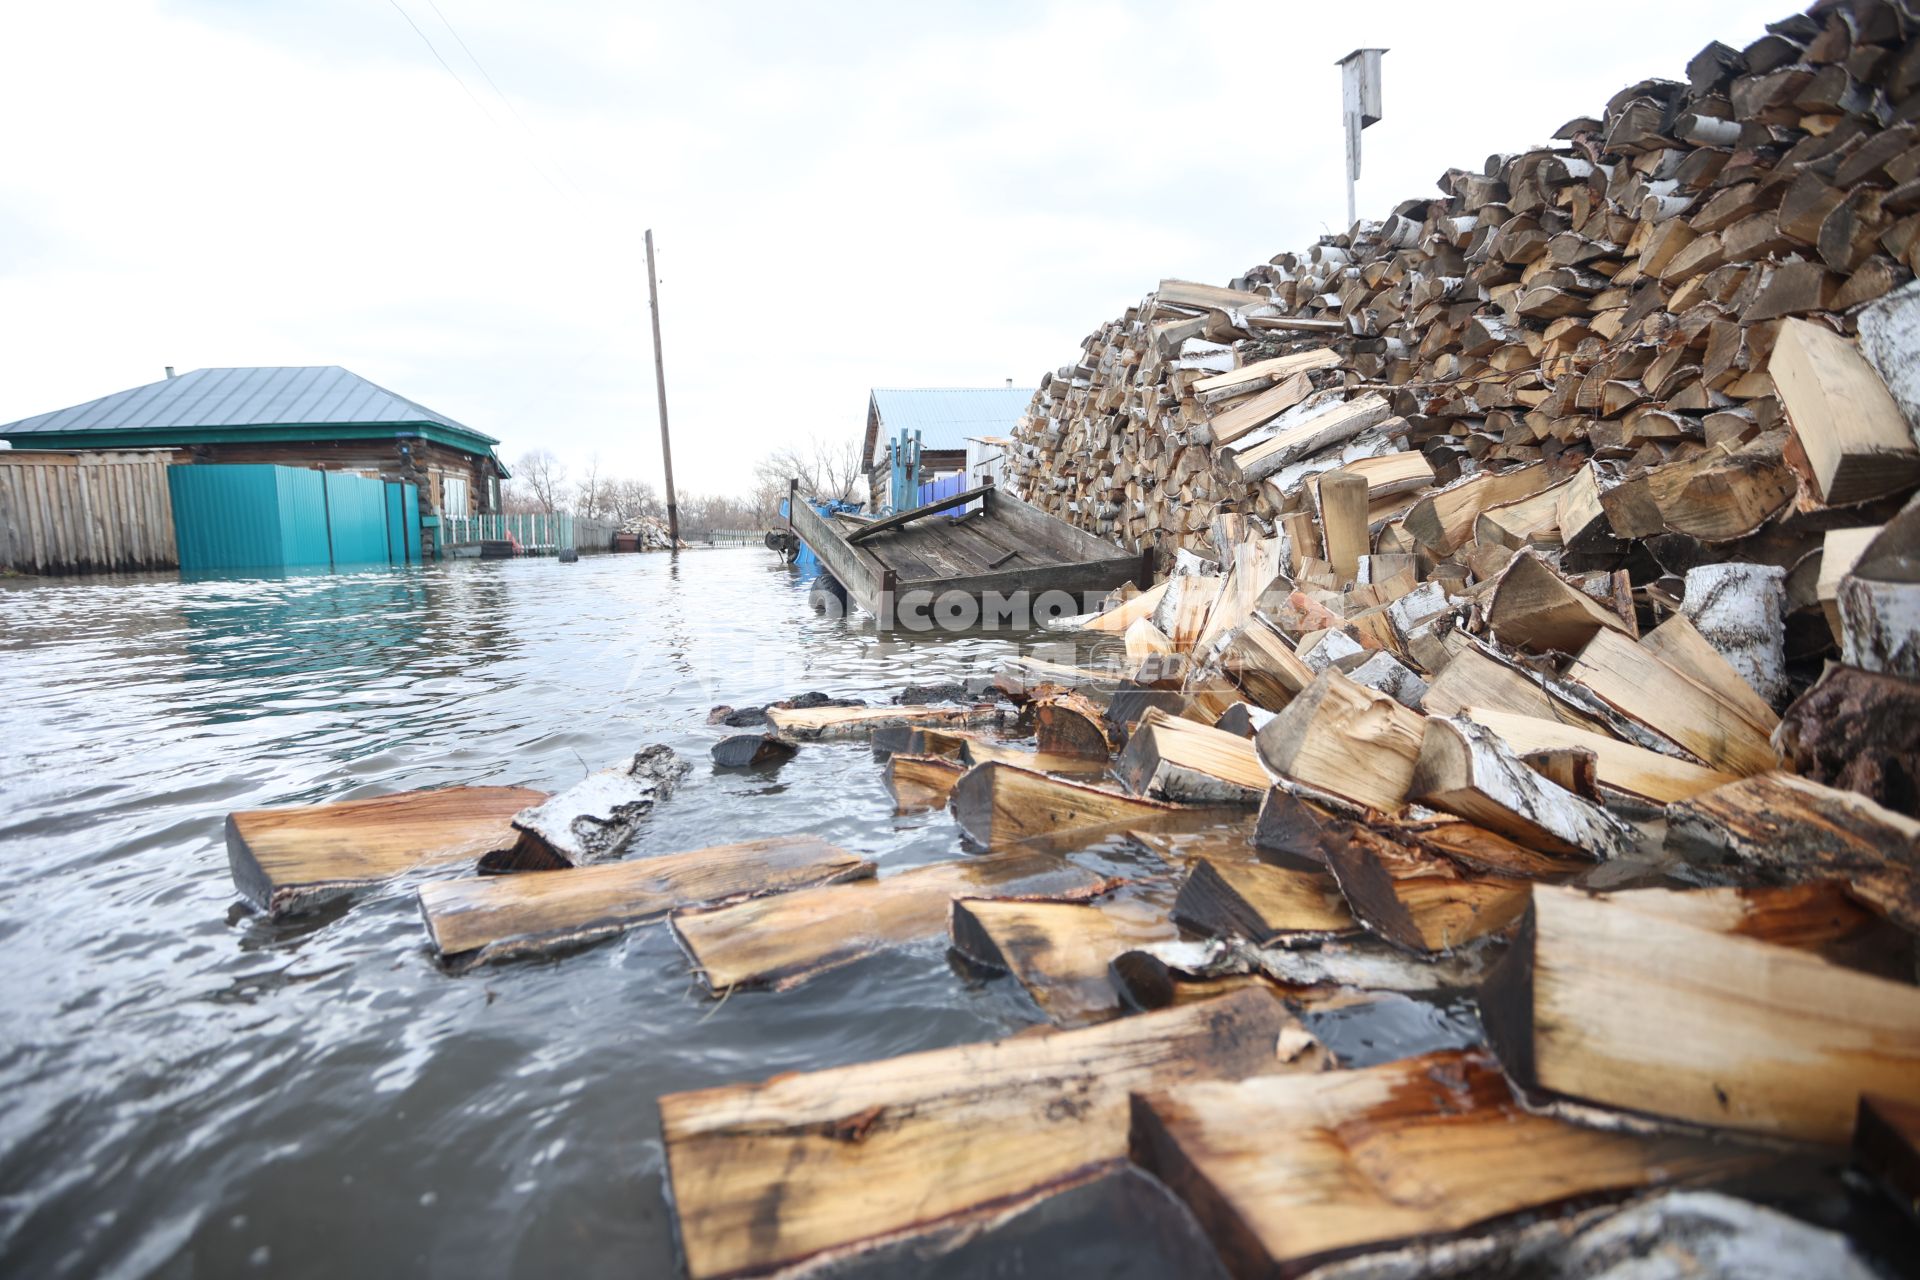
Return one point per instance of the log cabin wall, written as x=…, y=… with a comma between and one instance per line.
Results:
x=425, y=463
x=85, y=512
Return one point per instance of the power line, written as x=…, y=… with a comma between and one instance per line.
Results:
x=500, y=93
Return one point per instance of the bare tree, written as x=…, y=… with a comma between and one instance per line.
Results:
x=828, y=468
x=590, y=495
x=630, y=499
x=544, y=478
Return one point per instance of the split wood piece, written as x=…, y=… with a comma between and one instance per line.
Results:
x=751, y=751
x=1345, y=739
x=1263, y=904
x=1414, y=899
x=1533, y=519
x=1059, y=951
x=1787, y=829
x=1638, y=1008
x=1886, y=1143
x=1125, y=614
x=764, y=1176
x=1302, y=433
x=786, y=939
x=1619, y=765
x=921, y=782
x=1879, y=600
x=1641, y=686
x=1259, y=659
x=1840, y=550
x=1144, y=641
x=1535, y=608
x=287, y=860
x=1848, y=426
x=1465, y=769
x=1860, y=731
x=1479, y=850
x=593, y=819
x=1726, y=493
x=1183, y=612
x=1289, y=1173
x=1819, y=917
x=1175, y=759
x=1680, y=644
x=1022, y=678
x=1740, y=611
x=1476, y=678
x=1000, y=804
x=976, y=750
x=1247, y=415
x=1278, y=369
x=1066, y=724
x=1343, y=522
x=848, y=723
x=489, y=918
x=1443, y=521
x=1153, y=976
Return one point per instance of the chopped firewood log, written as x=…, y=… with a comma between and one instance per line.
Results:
x=1786, y=829
x=1465, y=769
x=1277, y=369
x=1176, y=759
x=491, y=918
x=1840, y=550
x=1477, y=678
x=1889, y=336
x=1667, y=1011
x=1300, y=433
x=762, y=1176
x=1066, y=724
x=998, y=805
x=1444, y=520
x=1290, y=1172
x=1342, y=738
x=1618, y=765
x=751, y=751
x=1150, y=977
x=1059, y=951
x=1261, y=903
x=975, y=750
x=1726, y=493
x=1679, y=643
x=1144, y=640
x=1641, y=686
x=1879, y=600
x=1477, y=849
x=921, y=782
x=1415, y=899
x=1122, y=616
x=595, y=818
x=1853, y=436
x=1290, y=824
x=1247, y=415
x=285, y=861
x=1860, y=731
x=783, y=940
x=1384, y=673
x=845, y=723
x=1343, y=521
x=1021, y=678
x=1535, y=608
x=1886, y=1143
x=1740, y=609
x=1259, y=659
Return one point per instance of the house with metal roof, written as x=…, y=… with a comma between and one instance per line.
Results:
x=946, y=418
x=322, y=417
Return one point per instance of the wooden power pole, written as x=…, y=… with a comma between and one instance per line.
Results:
x=660, y=380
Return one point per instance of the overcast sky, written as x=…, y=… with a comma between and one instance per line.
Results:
x=844, y=195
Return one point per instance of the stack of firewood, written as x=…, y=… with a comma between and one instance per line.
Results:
x=1616, y=308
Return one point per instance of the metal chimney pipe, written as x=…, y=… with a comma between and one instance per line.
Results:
x=169, y=371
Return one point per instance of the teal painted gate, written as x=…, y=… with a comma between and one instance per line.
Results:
x=261, y=516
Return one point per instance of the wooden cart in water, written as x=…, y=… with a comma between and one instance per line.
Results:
x=910, y=569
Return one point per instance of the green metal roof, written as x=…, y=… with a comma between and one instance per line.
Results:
x=213, y=405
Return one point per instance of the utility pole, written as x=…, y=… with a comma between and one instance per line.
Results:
x=660, y=380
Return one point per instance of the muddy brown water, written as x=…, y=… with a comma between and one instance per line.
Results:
x=192, y=1090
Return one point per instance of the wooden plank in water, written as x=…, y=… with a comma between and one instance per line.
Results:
x=284, y=860
x=499, y=917
x=766, y=1175
x=1059, y=951
x=783, y=940
x=811, y=724
x=1641, y=1000
x=1288, y=1172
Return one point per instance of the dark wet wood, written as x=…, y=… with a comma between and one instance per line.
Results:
x=1886, y=1143
x=284, y=860
x=500, y=917
x=1414, y=898
x=1059, y=951
x=811, y=724
x=1290, y=1172
x=921, y=782
x=766, y=1175
x=999, y=804
x=1261, y=903
x=1066, y=724
x=751, y=751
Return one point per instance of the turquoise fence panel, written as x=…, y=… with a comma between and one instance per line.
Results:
x=357, y=518
x=226, y=517
x=305, y=542
x=259, y=516
x=410, y=508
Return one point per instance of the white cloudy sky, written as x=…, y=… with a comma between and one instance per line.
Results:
x=846, y=195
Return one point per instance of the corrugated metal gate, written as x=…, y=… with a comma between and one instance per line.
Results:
x=260, y=516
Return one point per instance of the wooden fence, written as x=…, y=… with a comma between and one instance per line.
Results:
x=80, y=512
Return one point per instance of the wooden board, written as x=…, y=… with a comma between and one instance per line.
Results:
x=1261, y=903
x=1292, y=1171
x=783, y=940
x=488, y=918
x=766, y=1175
x=1640, y=1008
x=1059, y=951
x=284, y=860
x=998, y=804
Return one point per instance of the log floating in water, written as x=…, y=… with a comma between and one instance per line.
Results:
x=786, y=939
x=597, y=817
x=1263, y=904
x=1067, y=724
x=1662, y=1009
x=813, y=724
x=1180, y=760
x=1292, y=1171
x=490, y=918
x=921, y=782
x=751, y=751
x=286, y=860
x=1059, y=951
x=764, y=1176
x=998, y=805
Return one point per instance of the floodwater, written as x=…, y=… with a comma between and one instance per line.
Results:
x=193, y=1090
